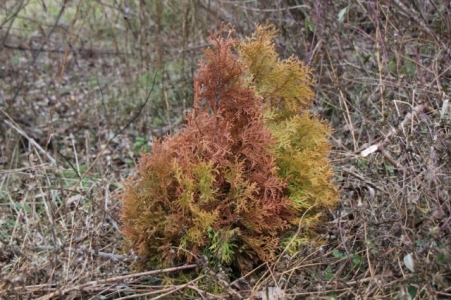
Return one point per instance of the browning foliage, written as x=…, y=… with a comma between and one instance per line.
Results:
x=241, y=172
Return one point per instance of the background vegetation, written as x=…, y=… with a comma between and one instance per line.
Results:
x=85, y=85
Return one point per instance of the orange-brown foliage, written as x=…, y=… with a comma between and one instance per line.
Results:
x=213, y=187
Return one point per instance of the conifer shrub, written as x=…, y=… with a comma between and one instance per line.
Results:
x=244, y=170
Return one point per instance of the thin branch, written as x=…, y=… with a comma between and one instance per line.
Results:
x=393, y=132
x=111, y=256
x=13, y=16
x=414, y=15
x=35, y=56
x=75, y=50
x=109, y=141
x=113, y=280
x=25, y=135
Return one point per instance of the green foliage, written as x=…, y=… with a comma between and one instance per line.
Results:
x=245, y=169
x=139, y=145
x=222, y=244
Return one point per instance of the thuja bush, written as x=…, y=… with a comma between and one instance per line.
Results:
x=249, y=166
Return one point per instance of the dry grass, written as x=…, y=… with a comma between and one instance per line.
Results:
x=75, y=113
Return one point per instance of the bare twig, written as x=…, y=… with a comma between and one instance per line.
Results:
x=35, y=56
x=115, y=280
x=414, y=15
x=75, y=50
x=393, y=132
x=16, y=127
x=111, y=256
